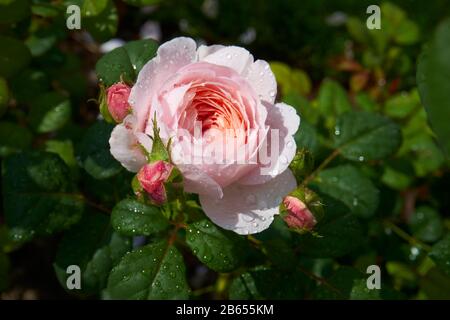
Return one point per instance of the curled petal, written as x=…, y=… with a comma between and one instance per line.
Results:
x=129, y=147
x=249, y=209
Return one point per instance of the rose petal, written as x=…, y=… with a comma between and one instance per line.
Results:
x=284, y=118
x=262, y=79
x=204, y=51
x=249, y=209
x=197, y=181
x=236, y=58
x=126, y=146
x=170, y=57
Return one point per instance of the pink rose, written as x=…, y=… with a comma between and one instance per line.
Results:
x=230, y=140
x=152, y=178
x=117, y=99
x=299, y=216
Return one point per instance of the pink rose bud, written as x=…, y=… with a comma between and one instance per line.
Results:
x=152, y=177
x=299, y=216
x=117, y=99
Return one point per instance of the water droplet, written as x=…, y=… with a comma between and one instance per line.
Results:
x=228, y=56
x=266, y=67
x=361, y=158
x=337, y=131
x=272, y=93
x=355, y=202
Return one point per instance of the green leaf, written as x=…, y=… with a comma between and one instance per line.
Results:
x=362, y=136
x=142, y=3
x=14, y=56
x=13, y=138
x=4, y=96
x=13, y=11
x=218, y=249
x=337, y=237
x=95, y=248
x=332, y=99
x=94, y=153
x=64, y=149
x=93, y=7
x=440, y=254
x=402, y=104
x=39, y=195
x=348, y=185
x=291, y=80
x=307, y=137
x=433, y=72
x=155, y=271
x=130, y=217
x=339, y=285
x=426, y=224
x=36, y=81
x=125, y=61
x=264, y=283
x=102, y=25
x=49, y=112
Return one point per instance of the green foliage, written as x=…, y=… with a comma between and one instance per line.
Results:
x=155, y=271
x=95, y=248
x=94, y=152
x=432, y=79
x=361, y=136
x=39, y=195
x=218, y=249
x=125, y=61
x=348, y=185
x=370, y=163
x=130, y=217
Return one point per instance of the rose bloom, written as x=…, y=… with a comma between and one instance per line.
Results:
x=220, y=99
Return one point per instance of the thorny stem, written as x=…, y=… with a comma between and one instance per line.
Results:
x=405, y=236
x=95, y=205
x=320, y=280
x=325, y=163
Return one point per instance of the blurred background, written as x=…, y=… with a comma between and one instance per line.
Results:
x=325, y=61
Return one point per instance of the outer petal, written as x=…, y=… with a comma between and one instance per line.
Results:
x=249, y=209
x=236, y=58
x=284, y=118
x=197, y=181
x=262, y=79
x=170, y=57
x=204, y=51
x=126, y=146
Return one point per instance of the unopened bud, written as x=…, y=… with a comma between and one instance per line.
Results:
x=152, y=177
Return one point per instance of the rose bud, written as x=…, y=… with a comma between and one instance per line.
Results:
x=117, y=100
x=298, y=215
x=152, y=177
